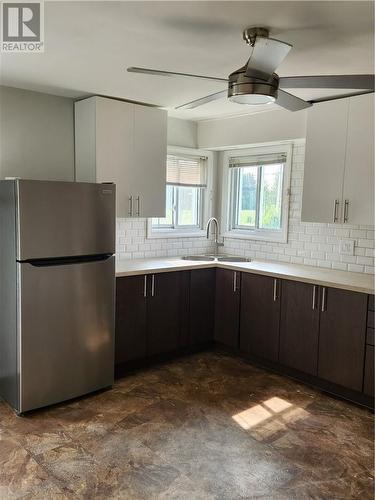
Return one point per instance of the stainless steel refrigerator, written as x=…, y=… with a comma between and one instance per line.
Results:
x=57, y=279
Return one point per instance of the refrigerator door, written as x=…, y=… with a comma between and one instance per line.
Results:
x=60, y=219
x=66, y=332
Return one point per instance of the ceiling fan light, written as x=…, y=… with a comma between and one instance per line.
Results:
x=243, y=89
x=252, y=99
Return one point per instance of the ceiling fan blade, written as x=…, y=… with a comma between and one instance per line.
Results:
x=203, y=100
x=157, y=72
x=291, y=102
x=267, y=55
x=328, y=82
x=341, y=96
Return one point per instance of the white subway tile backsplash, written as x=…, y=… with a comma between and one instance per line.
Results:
x=366, y=243
x=308, y=243
x=312, y=244
x=358, y=233
x=132, y=242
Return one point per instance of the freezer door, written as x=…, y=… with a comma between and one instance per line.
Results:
x=60, y=219
x=66, y=332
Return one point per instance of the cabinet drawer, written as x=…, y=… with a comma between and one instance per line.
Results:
x=370, y=336
x=371, y=303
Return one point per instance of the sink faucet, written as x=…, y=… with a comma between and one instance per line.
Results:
x=213, y=220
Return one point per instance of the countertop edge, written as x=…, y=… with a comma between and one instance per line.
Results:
x=240, y=267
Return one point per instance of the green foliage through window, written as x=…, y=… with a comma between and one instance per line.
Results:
x=256, y=196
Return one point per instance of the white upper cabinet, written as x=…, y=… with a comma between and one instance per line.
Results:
x=338, y=181
x=124, y=143
x=359, y=165
x=324, y=161
x=150, y=148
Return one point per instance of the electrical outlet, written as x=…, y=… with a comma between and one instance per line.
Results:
x=347, y=247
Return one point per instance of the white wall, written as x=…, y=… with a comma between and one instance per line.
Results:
x=36, y=135
x=270, y=126
x=182, y=133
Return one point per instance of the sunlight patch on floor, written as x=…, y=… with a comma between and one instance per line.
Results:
x=269, y=417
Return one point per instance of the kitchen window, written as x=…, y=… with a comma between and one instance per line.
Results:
x=186, y=196
x=257, y=193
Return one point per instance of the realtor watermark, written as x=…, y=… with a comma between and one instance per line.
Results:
x=22, y=27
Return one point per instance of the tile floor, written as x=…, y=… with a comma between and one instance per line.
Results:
x=202, y=427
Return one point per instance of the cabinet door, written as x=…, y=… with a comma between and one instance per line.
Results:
x=368, y=384
x=227, y=309
x=163, y=312
x=202, y=305
x=114, y=149
x=324, y=160
x=130, y=340
x=299, y=326
x=342, y=337
x=260, y=316
x=150, y=159
x=359, y=164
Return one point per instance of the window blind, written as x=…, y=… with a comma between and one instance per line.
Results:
x=254, y=161
x=186, y=171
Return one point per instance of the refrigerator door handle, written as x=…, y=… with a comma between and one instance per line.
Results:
x=64, y=261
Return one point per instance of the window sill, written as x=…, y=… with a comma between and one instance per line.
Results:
x=257, y=236
x=174, y=233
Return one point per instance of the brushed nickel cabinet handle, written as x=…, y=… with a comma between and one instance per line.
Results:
x=130, y=211
x=234, y=281
x=324, y=299
x=138, y=206
x=346, y=211
x=275, y=290
x=145, y=286
x=153, y=285
x=314, y=297
x=336, y=205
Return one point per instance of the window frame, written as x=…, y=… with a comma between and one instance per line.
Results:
x=206, y=201
x=228, y=212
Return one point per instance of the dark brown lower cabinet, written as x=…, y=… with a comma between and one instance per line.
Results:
x=227, y=308
x=202, y=306
x=149, y=313
x=299, y=326
x=163, y=312
x=130, y=335
x=260, y=316
x=342, y=337
x=368, y=384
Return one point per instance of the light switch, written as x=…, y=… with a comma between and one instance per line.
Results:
x=347, y=247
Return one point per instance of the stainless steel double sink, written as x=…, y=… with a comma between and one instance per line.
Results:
x=216, y=258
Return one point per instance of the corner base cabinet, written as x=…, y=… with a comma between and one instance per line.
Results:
x=202, y=306
x=227, y=307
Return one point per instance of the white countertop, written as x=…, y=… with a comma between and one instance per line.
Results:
x=356, y=282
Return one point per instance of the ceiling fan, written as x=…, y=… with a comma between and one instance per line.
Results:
x=257, y=83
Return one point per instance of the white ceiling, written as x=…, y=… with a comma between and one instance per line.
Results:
x=89, y=45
